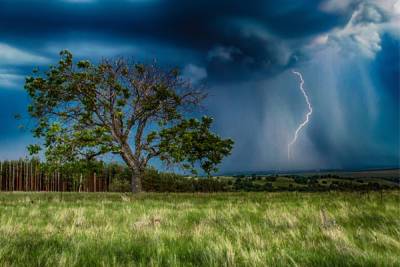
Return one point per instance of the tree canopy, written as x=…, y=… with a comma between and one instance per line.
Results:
x=139, y=111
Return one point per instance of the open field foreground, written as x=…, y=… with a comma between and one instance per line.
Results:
x=225, y=229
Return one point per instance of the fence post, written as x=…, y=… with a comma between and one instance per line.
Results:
x=80, y=183
x=94, y=178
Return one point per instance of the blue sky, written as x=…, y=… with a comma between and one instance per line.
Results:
x=347, y=51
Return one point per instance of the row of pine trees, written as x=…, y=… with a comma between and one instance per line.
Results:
x=33, y=175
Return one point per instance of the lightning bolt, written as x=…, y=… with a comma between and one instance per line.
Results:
x=307, y=119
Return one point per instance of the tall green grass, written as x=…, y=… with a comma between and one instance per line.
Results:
x=225, y=229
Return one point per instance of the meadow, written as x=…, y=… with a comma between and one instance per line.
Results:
x=220, y=229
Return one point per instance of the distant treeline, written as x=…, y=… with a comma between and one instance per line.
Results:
x=98, y=176
x=93, y=176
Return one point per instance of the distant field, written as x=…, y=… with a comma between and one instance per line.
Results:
x=328, y=181
x=392, y=173
x=222, y=229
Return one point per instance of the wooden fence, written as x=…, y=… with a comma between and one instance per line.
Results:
x=28, y=176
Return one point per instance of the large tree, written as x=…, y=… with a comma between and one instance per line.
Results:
x=138, y=111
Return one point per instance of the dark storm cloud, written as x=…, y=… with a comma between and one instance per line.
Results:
x=195, y=23
x=199, y=26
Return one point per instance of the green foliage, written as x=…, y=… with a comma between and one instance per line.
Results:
x=120, y=185
x=155, y=181
x=191, y=141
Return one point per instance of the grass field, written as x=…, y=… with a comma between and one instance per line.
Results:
x=225, y=229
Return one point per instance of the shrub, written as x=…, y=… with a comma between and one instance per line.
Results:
x=268, y=186
x=301, y=180
x=119, y=185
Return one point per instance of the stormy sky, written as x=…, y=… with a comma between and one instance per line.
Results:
x=244, y=51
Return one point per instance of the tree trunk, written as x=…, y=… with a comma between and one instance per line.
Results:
x=136, y=183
